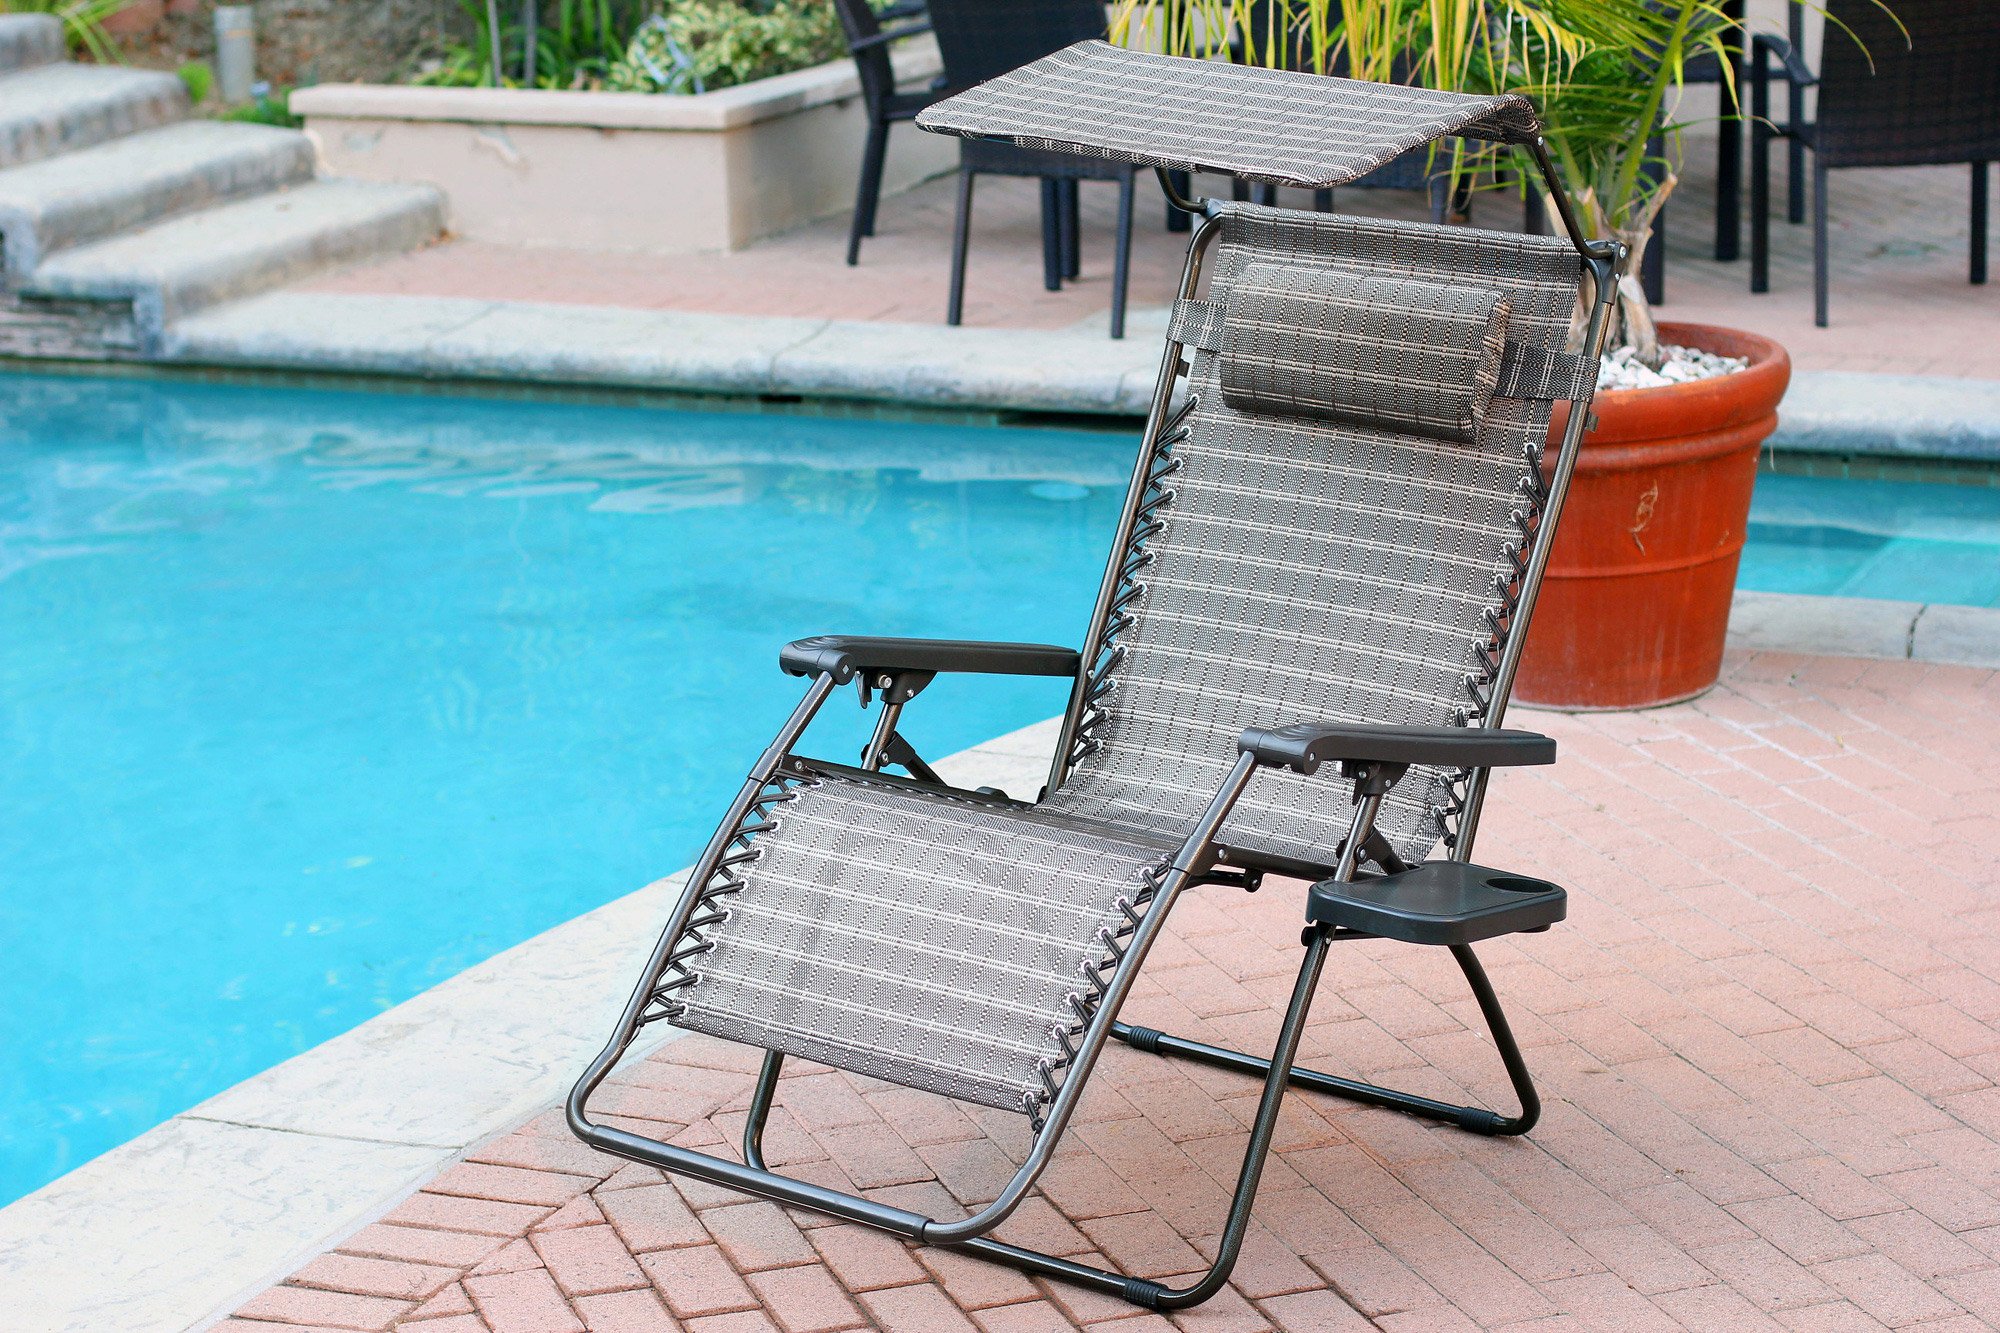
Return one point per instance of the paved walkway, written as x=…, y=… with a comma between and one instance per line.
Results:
x=1901, y=303
x=1769, y=1038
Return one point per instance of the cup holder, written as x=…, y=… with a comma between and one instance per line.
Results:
x=1439, y=902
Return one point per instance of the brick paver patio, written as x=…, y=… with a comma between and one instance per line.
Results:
x=1769, y=1038
x=1901, y=303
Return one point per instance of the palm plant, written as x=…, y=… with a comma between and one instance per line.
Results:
x=1606, y=75
x=82, y=20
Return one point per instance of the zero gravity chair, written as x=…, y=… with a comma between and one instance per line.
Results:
x=1331, y=545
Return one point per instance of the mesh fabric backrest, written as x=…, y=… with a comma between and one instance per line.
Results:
x=1887, y=99
x=1307, y=569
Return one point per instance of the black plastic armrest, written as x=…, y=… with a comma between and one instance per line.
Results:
x=1796, y=70
x=842, y=656
x=886, y=36
x=1304, y=746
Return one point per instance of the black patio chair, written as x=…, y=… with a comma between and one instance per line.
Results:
x=868, y=42
x=982, y=40
x=1338, y=522
x=1920, y=87
x=1705, y=68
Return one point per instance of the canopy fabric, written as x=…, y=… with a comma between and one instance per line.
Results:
x=1307, y=130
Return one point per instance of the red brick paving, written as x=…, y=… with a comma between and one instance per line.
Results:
x=1900, y=304
x=1768, y=1039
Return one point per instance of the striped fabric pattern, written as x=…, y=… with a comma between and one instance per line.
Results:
x=1302, y=569
x=1308, y=130
x=1310, y=569
x=928, y=941
x=1395, y=354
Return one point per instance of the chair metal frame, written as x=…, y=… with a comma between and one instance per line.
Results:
x=1197, y=862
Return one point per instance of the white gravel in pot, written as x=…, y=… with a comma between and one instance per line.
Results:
x=1619, y=369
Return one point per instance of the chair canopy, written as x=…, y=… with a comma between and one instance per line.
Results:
x=1305, y=130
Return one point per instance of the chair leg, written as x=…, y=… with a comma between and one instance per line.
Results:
x=1267, y=195
x=760, y=1109
x=1183, y=183
x=1729, y=185
x=961, y=235
x=869, y=192
x=1795, y=155
x=1760, y=200
x=1477, y=1119
x=1981, y=182
x=1052, y=245
x=1072, y=229
x=1121, y=256
x=1820, y=258
x=1653, y=264
x=753, y=1178
x=1322, y=201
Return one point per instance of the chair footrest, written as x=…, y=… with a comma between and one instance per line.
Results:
x=1439, y=902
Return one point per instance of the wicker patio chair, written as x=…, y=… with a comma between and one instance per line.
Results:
x=1339, y=518
x=982, y=40
x=886, y=104
x=1916, y=87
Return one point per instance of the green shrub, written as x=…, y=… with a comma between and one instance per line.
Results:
x=655, y=46
x=266, y=107
x=701, y=45
x=199, y=79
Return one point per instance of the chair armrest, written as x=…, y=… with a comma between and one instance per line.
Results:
x=1796, y=71
x=843, y=655
x=886, y=36
x=1304, y=746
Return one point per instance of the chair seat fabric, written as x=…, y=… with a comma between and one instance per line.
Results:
x=919, y=938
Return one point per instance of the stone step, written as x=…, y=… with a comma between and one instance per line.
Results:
x=140, y=179
x=27, y=40
x=236, y=249
x=60, y=108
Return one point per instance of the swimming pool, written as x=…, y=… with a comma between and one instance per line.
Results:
x=311, y=699
x=1907, y=541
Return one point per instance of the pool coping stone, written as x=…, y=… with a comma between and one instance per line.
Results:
x=1074, y=370
x=264, y=1175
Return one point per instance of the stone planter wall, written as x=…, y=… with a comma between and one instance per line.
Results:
x=628, y=171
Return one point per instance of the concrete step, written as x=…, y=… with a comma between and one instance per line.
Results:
x=27, y=40
x=239, y=248
x=60, y=108
x=140, y=179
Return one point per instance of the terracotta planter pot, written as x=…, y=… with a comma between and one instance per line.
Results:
x=1635, y=604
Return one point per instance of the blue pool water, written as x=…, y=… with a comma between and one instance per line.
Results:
x=309, y=700
x=1909, y=541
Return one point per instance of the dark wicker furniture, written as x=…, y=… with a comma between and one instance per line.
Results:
x=982, y=40
x=868, y=42
x=1885, y=100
